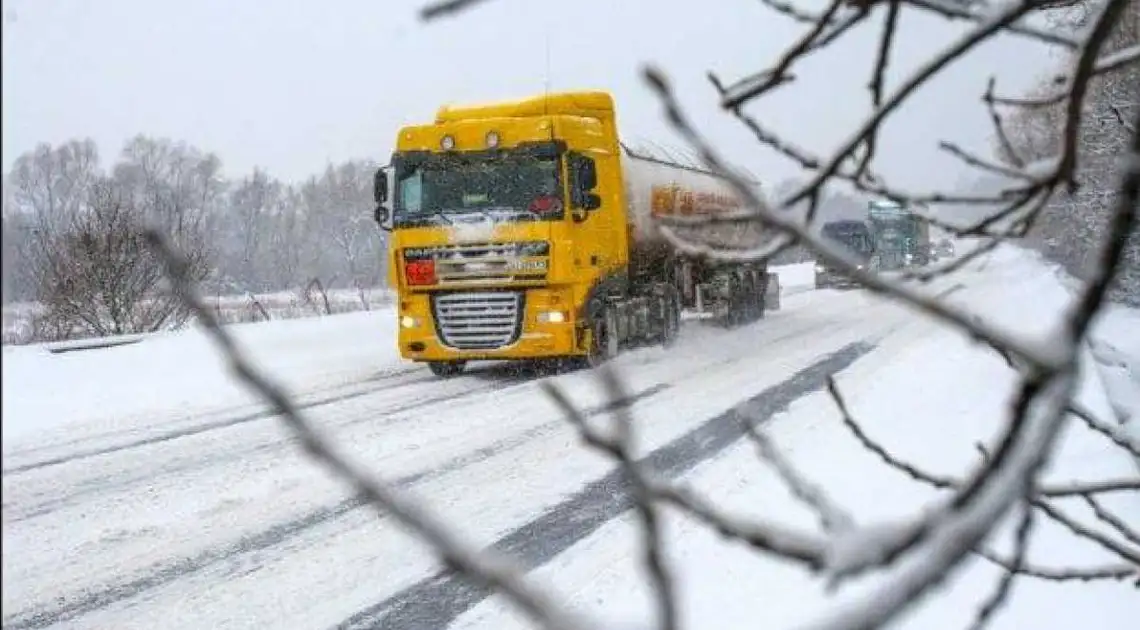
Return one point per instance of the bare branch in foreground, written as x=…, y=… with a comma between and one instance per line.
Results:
x=377, y=495
x=801, y=548
x=445, y=8
x=1112, y=546
x=942, y=482
x=834, y=518
x=1067, y=574
x=1112, y=520
x=1108, y=63
x=1114, y=434
x=620, y=447
x=955, y=10
x=1005, y=584
x=1028, y=439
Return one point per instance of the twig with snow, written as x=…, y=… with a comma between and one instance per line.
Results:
x=1005, y=585
x=1107, y=517
x=1115, y=434
x=1080, y=530
x=1115, y=572
x=802, y=548
x=1107, y=63
x=832, y=516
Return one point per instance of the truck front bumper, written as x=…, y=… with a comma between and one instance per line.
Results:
x=544, y=322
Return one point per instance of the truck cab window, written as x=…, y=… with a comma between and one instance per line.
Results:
x=411, y=192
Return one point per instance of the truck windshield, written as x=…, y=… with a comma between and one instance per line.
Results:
x=521, y=187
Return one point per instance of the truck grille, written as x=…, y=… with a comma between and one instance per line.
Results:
x=472, y=320
x=456, y=265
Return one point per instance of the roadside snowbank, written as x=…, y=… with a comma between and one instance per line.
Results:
x=795, y=278
x=45, y=394
x=927, y=394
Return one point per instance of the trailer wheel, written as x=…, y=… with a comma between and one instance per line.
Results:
x=446, y=369
x=671, y=326
x=760, y=299
x=748, y=296
x=736, y=301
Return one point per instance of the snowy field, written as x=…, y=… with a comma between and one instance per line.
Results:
x=19, y=320
x=143, y=489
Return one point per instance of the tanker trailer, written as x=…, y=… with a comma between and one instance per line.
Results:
x=657, y=189
x=525, y=230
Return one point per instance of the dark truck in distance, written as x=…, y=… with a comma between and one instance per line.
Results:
x=900, y=238
x=853, y=235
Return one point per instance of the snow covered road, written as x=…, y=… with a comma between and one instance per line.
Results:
x=151, y=492
x=181, y=518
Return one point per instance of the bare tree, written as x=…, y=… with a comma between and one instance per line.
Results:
x=249, y=224
x=916, y=553
x=1073, y=223
x=344, y=237
x=99, y=278
x=46, y=186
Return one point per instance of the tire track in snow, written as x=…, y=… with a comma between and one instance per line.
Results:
x=164, y=573
x=228, y=410
x=436, y=601
x=212, y=426
x=94, y=487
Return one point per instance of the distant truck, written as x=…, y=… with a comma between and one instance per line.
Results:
x=528, y=230
x=855, y=236
x=901, y=238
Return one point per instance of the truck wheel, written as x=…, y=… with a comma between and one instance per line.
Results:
x=604, y=338
x=446, y=369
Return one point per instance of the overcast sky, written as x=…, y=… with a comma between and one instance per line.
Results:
x=290, y=85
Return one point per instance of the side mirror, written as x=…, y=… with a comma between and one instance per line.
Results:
x=380, y=186
x=587, y=175
x=381, y=214
x=583, y=179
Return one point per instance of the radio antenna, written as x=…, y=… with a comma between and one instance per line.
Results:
x=546, y=69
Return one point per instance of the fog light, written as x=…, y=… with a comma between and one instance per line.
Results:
x=552, y=317
x=407, y=321
x=447, y=143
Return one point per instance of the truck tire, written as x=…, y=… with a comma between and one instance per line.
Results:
x=760, y=299
x=752, y=308
x=446, y=369
x=604, y=338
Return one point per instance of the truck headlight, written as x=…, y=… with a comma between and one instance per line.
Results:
x=407, y=321
x=820, y=269
x=552, y=317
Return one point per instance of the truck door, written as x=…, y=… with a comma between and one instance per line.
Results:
x=599, y=223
